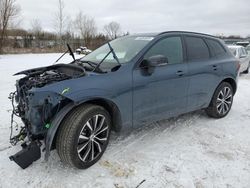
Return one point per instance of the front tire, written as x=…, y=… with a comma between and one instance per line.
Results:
x=83, y=136
x=221, y=102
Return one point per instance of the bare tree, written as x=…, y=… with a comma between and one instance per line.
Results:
x=61, y=19
x=112, y=30
x=86, y=26
x=9, y=10
x=36, y=27
x=69, y=31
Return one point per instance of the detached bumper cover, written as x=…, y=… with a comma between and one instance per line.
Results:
x=27, y=155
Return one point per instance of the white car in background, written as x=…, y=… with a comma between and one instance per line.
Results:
x=242, y=43
x=83, y=50
x=240, y=53
x=248, y=49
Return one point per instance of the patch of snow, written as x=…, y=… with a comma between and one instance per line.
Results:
x=191, y=150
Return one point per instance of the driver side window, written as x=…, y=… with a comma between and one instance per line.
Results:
x=170, y=47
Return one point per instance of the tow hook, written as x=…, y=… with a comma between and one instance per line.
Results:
x=29, y=153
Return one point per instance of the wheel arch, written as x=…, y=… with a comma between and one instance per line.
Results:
x=232, y=82
x=111, y=108
x=210, y=110
x=229, y=80
x=108, y=105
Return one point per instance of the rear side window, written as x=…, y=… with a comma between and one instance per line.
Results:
x=196, y=49
x=216, y=47
x=170, y=47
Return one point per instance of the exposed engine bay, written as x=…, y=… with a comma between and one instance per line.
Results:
x=29, y=103
x=37, y=109
x=39, y=77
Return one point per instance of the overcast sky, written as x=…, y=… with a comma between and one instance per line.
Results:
x=139, y=16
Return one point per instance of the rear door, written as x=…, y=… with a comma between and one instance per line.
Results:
x=204, y=71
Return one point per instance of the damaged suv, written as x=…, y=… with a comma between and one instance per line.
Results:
x=131, y=81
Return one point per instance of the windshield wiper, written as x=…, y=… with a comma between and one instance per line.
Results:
x=93, y=65
x=114, y=56
x=90, y=63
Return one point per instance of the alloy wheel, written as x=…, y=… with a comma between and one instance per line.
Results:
x=92, y=138
x=224, y=100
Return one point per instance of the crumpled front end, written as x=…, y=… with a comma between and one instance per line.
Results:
x=37, y=108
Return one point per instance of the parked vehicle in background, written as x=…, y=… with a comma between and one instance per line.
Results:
x=248, y=49
x=242, y=55
x=83, y=50
x=242, y=43
x=129, y=82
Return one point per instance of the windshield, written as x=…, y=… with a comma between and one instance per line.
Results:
x=125, y=49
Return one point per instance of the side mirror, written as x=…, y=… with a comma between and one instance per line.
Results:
x=154, y=61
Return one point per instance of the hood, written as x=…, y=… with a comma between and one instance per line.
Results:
x=42, y=76
x=69, y=69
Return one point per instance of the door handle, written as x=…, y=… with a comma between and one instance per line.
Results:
x=180, y=73
x=214, y=67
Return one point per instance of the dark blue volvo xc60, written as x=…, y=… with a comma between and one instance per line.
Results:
x=126, y=83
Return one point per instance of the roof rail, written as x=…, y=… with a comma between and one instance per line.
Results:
x=187, y=32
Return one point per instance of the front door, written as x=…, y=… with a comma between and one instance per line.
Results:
x=163, y=93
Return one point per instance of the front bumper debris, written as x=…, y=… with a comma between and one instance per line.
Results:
x=29, y=153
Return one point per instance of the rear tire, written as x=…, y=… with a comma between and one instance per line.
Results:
x=221, y=102
x=83, y=136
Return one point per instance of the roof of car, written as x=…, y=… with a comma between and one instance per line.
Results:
x=188, y=32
